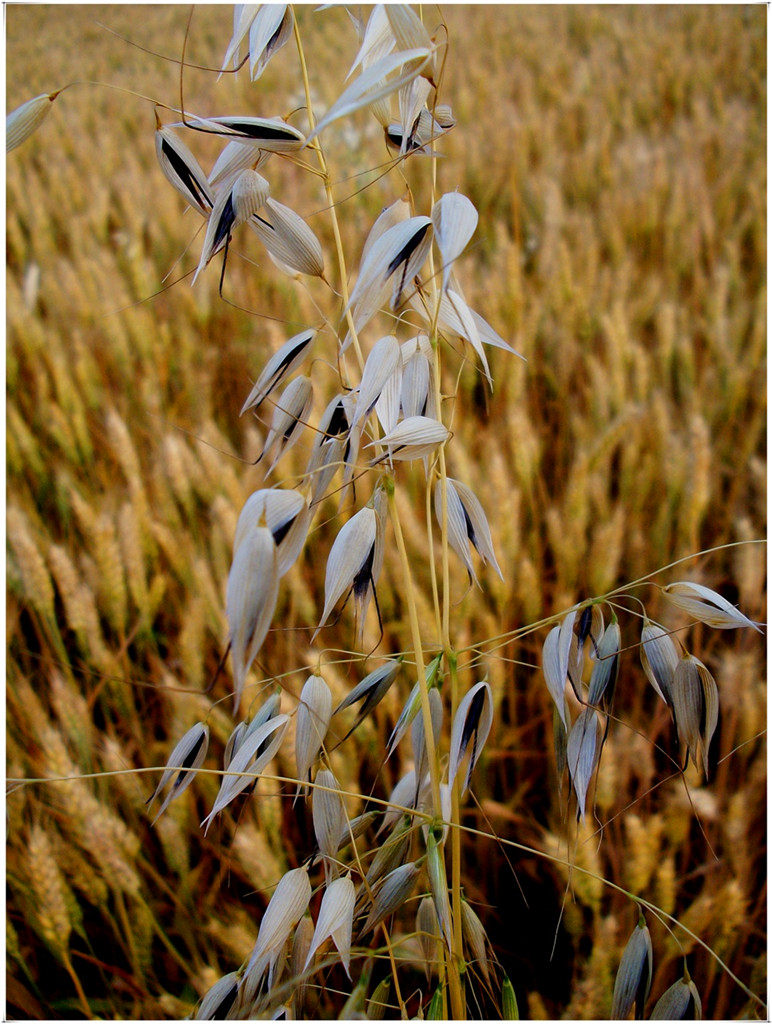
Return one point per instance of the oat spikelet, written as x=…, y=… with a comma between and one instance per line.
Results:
x=509, y=1007
x=253, y=754
x=182, y=169
x=680, y=1002
x=480, y=951
x=26, y=119
x=252, y=592
x=374, y=84
x=378, y=1004
x=188, y=755
x=313, y=720
x=335, y=921
x=34, y=575
x=390, y=894
x=393, y=852
x=280, y=365
x=634, y=974
x=301, y=943
x=284, y=911
x=706, y=605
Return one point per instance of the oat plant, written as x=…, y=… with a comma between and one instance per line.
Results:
x=358, y=730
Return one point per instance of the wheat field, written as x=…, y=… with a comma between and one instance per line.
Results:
x=616, y=157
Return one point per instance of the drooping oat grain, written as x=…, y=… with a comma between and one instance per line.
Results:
x=254, y=753
x=188, y=755
x=335, y=921
x=706, y=605
x=26, y=119
x=634, y=976
x=253, y=587
x=470, y=731
x=313, y=720
x=680, y=1002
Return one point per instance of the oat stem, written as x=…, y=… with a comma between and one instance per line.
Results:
x=452, y=665
x=394, y=972
x=330, y=199
x=456, y=994
x=415, y=629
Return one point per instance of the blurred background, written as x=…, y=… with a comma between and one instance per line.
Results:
x=616, y=156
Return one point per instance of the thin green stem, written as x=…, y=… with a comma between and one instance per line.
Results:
x=455, y=834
